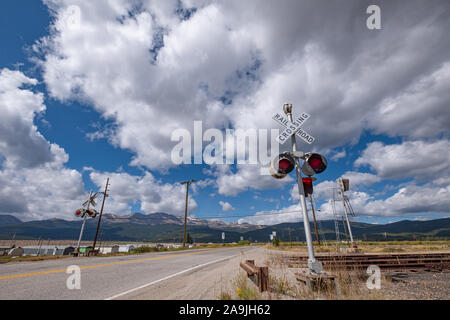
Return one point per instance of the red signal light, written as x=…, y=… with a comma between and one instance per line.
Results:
x=314, y=163
x=80, y=213
x=282, y=165
x=308, y=186
x=91, y=213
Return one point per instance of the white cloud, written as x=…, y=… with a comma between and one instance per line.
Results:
x=420, y=110
x=323, y=190
x=421, y=160
x=360, y=178
x=409, y=200
x=289, y=214
x=153, y=71
x=412, y=200
x=35, y=183
x=226, y=206
x=247, y=176
x=20, y=142
x=339, y=155
x=153, y=195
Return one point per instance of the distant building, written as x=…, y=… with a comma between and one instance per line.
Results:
x=126, y=248
x=110, y=249
x=16, y=252
x=68, y=250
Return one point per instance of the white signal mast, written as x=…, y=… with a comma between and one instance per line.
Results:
x=336, y=221
x=343, y=186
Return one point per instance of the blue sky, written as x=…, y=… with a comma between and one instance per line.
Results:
x=110, y=106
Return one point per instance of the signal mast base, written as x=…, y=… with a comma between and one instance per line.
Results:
x=317, y=282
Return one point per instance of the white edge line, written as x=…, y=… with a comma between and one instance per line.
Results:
x=168, y=277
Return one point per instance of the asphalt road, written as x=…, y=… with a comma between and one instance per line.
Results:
x=105, y=278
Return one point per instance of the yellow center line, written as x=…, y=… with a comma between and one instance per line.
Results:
x=15, y=276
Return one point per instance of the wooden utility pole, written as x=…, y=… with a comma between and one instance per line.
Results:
x=314, y=217
x=187, y=183
x=101, y=239
x=105, y=194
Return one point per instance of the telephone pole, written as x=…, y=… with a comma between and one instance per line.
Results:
x=105, y=194
x=187, y=183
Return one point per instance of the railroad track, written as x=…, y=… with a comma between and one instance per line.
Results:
x=398, y=262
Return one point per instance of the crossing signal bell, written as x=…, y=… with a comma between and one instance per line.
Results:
x=314, y=163
x=282, y=165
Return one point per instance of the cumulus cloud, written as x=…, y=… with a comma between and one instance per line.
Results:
x=323, y=190
x=289, y=214
x=360, y=178
x=152, y=194
x=407, y=201
x=410, y=200
x=226, y=206
x=156, y=67
x=420, y=160
x=152, y=67
x=20, y=142
x=246, y=177
x=339, y=155
x=35, y=183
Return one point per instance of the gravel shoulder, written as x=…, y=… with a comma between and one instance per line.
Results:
x=417, y=286
x=206, y=283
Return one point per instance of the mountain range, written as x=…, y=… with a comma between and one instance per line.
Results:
x=162, y=227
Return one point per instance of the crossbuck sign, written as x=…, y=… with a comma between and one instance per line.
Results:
x=293, y=128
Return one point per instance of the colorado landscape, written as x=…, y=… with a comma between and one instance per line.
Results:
x=225, y=156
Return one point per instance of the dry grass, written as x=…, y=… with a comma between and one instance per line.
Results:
x=369, y=247
x=285, y=286
x=30, y=258
x=242, y=288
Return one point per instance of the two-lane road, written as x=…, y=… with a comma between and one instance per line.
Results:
x=107, y=277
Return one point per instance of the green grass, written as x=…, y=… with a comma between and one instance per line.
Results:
x=147, y=249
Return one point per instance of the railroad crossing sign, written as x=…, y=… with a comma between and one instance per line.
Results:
x=293, y=128
x=90, y=200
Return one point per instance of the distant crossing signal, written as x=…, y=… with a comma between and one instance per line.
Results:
x=80, y=213
x=346, y=184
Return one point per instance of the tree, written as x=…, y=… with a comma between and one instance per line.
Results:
x=276, y=241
